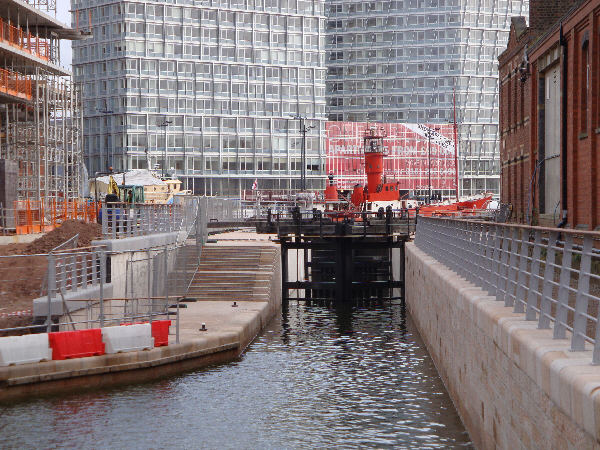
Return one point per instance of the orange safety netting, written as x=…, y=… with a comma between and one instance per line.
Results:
x=14, y=83
x=36, y=216
x=25, y=41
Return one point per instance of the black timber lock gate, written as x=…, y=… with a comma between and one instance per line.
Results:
x=343, y=256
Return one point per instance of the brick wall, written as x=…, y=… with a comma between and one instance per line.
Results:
x=520, y=136
x=581, y=30
x=583, y=187
x=544, y=13
x=515, y=122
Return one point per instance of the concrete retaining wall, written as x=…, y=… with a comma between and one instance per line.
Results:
x=131, y=250
x=513, y=385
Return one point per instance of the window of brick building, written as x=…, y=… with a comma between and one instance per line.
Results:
x=510, y=102
x=514, y=95
x=585, y=82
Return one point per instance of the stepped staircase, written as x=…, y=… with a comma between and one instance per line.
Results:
x=234, y=273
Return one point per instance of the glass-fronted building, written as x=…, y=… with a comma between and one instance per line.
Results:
x=402, y=61
x=204, y=89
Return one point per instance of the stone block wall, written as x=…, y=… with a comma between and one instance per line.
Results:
x=513, y=385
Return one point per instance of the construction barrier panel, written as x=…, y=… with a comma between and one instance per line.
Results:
x=35, y=216
x=127, y=338
x=76, y=344
x=24, y=349
x=160, y=332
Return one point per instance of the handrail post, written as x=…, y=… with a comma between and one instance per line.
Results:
x=51, y=288
x=102, y=277
x=177, y=323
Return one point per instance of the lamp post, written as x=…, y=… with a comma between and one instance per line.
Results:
x=303, y=129
x=429, y=133
x=164, y=126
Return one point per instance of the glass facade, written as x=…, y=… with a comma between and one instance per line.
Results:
x=204, y=89
x=402, y=61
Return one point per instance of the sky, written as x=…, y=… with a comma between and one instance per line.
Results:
x=63, y=14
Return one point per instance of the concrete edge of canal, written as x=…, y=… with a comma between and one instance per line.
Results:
x=510, y=381
x=255, y=286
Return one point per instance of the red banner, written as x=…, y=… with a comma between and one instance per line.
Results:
x=407, y=154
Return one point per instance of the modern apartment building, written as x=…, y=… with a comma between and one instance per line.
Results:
x=403, y=60
x=204, y=89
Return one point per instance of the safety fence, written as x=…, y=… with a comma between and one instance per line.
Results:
x=14, y=83
x=73, y=270
x=23, y=40
x=73, y=283
x=151, y=283
x=223, y=209
x=123, y=220
x=39, y=216
x=551, y=275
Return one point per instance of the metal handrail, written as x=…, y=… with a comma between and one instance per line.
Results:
x=552, y=275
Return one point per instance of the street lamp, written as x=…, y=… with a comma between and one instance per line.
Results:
x=429, y=133
x=303, y=129
x=164, y=126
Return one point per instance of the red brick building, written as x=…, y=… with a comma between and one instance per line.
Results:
x=549, y=114
x=515, y=119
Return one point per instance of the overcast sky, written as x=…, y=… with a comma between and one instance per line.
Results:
x=63, y=14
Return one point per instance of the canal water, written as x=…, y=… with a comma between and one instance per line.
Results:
x=317, y=377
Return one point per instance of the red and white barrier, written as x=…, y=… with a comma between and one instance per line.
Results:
x=24, y=349
x=25, y=312
x=33, y=348
x=128, y=338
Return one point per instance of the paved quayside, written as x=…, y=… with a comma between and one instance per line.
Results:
x=242, y=268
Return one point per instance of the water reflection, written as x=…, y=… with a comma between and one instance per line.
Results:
x=318, y=377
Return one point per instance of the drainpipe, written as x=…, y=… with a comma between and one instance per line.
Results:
x=563, y=153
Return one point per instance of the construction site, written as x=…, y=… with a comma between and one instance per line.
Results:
x=41, y=162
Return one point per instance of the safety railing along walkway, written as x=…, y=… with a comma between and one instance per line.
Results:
x=550, y=275
x=16, y=84
x=23, y=40
x=123, y=220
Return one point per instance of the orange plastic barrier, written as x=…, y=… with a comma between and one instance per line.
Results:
x=160, y=332
x=34, y=216
x=76, y=344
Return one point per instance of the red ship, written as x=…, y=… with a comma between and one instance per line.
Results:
x=379, y=193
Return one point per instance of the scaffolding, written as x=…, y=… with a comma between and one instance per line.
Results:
x=40, y=107
x=44, y=137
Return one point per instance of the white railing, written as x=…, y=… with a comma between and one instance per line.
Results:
x=123, y=220
x=223, y=209
x=550, y=275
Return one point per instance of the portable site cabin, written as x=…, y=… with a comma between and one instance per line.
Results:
x=139, y=185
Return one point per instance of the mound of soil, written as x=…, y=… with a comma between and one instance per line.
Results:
x=22, y=277
x=87, y=233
